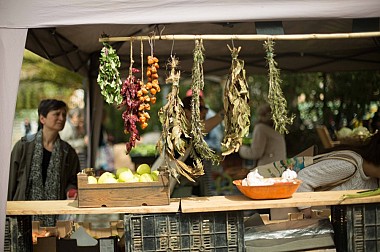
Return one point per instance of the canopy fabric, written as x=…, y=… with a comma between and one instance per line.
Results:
x=67, y=33
x=45, y=13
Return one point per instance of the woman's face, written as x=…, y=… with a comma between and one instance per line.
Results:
x=55, y=120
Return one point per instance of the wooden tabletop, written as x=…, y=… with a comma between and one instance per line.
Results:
x=190, y=205
x=240, y=202
x=71, y=207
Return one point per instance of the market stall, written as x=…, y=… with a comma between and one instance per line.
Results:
x=67, y=34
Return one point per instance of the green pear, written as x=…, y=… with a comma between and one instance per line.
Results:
x=143, y=169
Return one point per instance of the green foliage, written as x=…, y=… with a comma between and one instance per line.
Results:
x=145, y=150
x=41, y=79
x=109, y=77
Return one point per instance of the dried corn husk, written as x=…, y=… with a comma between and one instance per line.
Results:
x=236, y=98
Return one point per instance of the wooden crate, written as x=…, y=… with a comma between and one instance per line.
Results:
x=123, y=194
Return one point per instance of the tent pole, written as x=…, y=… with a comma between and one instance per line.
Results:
x=246, y=37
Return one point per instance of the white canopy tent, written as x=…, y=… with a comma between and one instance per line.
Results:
x=67, y=33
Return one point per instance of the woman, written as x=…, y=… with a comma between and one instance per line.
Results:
x=44, y=167
x=361, y=170
x=267, y=144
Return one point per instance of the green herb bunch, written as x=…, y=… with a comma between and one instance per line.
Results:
x=109, y=77
x=276, y=97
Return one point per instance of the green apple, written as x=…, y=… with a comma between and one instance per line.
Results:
x=120, y=170
x=146, y=178
x=104, y=176
x=154, y=175
x=136, y=178
x=92, y=180
x=125, y=176
x=110, y=180
x=143, y=169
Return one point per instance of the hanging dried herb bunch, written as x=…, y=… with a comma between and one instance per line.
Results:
x=109, y=77
x=202, y=150
x=236, y=98
x=276, y=98
x=175, y=136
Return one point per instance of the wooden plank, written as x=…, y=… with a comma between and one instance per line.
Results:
x=240, y=202
x=71, y=207
x=188, y=205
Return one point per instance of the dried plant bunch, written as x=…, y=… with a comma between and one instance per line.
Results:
x=276, y=97
x=236, y=105
x=201, y=149
x=175, y=136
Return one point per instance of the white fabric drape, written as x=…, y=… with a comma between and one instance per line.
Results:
x=45, y=13
x=12, y=43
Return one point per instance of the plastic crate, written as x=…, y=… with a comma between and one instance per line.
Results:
x=215, y=231
x=356, y=227
x=18, y=234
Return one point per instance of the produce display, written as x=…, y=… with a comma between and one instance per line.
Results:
x=134, y=95
x=354, y=136
x=125, y=175
x=182, y=138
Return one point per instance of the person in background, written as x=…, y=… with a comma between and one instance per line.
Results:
x=74, y=134
x=267, y=144
x=361, y=167
x=27, y=126
x=43, y=166
x=105, y=155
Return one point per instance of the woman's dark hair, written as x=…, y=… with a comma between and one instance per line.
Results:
x=371, y=150
x=48, y=105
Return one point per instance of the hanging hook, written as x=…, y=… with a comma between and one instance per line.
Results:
x=150, y=40
x=142, y=59
x=162, y=30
